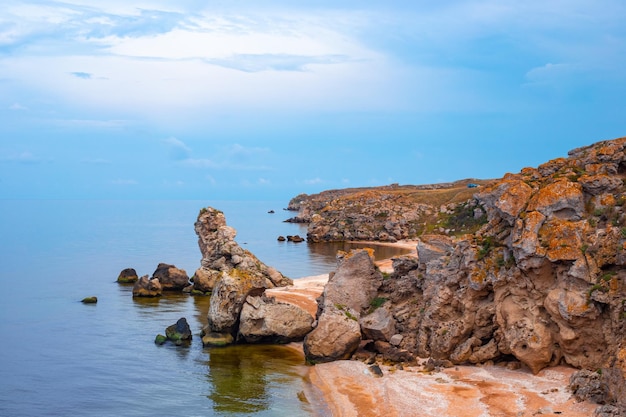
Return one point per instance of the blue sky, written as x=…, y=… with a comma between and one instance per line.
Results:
x=266, y=99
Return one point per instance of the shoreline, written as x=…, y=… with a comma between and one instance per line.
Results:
x=348, y=389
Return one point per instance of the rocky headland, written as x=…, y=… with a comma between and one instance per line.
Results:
x=528, y=269
x=525, y=271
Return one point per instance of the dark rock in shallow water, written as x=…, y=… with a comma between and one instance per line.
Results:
x=89, y=300
x=180, y=332
x=295, y=239
x=160, y=339
x=281, y=238
x=127, y=276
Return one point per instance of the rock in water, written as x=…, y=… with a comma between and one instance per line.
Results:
x=89, y=300
x=146, y=287
x=229, y=271
x=127, y=276
x=170, y=277
x=160, y=339
x=180, y=332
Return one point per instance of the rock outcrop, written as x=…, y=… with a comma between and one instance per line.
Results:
x=347, y=296
x=387, y=213
x=229, y=272
x=531, y=267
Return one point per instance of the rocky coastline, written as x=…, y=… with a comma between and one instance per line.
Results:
x=508, y=278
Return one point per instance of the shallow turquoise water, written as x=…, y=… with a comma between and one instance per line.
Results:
x=60, y=357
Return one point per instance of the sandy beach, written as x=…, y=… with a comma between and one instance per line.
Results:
x=350, y=389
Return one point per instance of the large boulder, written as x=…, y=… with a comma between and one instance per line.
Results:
x=264, y=319
x=146, y=287
x=347, y=295
x=336, y=337
x=170, y=277
x=355, y=283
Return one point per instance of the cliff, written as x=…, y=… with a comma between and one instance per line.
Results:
x=530, y=267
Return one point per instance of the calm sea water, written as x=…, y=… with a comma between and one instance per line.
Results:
x=60, y=357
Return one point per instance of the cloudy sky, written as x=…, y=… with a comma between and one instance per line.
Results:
x=269, y=98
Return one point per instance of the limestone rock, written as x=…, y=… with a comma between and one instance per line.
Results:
x=542, y=279
x=229, y=271
x=430, y=247
x=170, y=277
x=508, y=199
x=264, y=319
x=379, y=325
x=336, y=337
x=562, y=199
x=204, y=279
x=228, y=298
x=355, y=282
x=146, y=287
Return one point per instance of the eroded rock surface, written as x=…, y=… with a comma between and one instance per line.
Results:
x=229, y=271
x=346, y=297
x=263, y=319
x=541, y=279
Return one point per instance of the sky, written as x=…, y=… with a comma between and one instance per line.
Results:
x=266, y=99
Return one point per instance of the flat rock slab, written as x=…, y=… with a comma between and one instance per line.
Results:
x=351, y=389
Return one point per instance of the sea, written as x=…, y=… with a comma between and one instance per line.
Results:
x=60, y=357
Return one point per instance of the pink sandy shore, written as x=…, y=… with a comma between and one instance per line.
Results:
x=349, y=389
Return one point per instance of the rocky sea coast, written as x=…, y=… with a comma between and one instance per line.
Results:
x=511, y=303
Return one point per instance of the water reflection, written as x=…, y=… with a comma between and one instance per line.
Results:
x=244, y=379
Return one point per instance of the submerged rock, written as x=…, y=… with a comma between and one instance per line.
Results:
x=210, y=338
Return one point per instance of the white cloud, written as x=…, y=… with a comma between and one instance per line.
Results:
x=313, y=181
